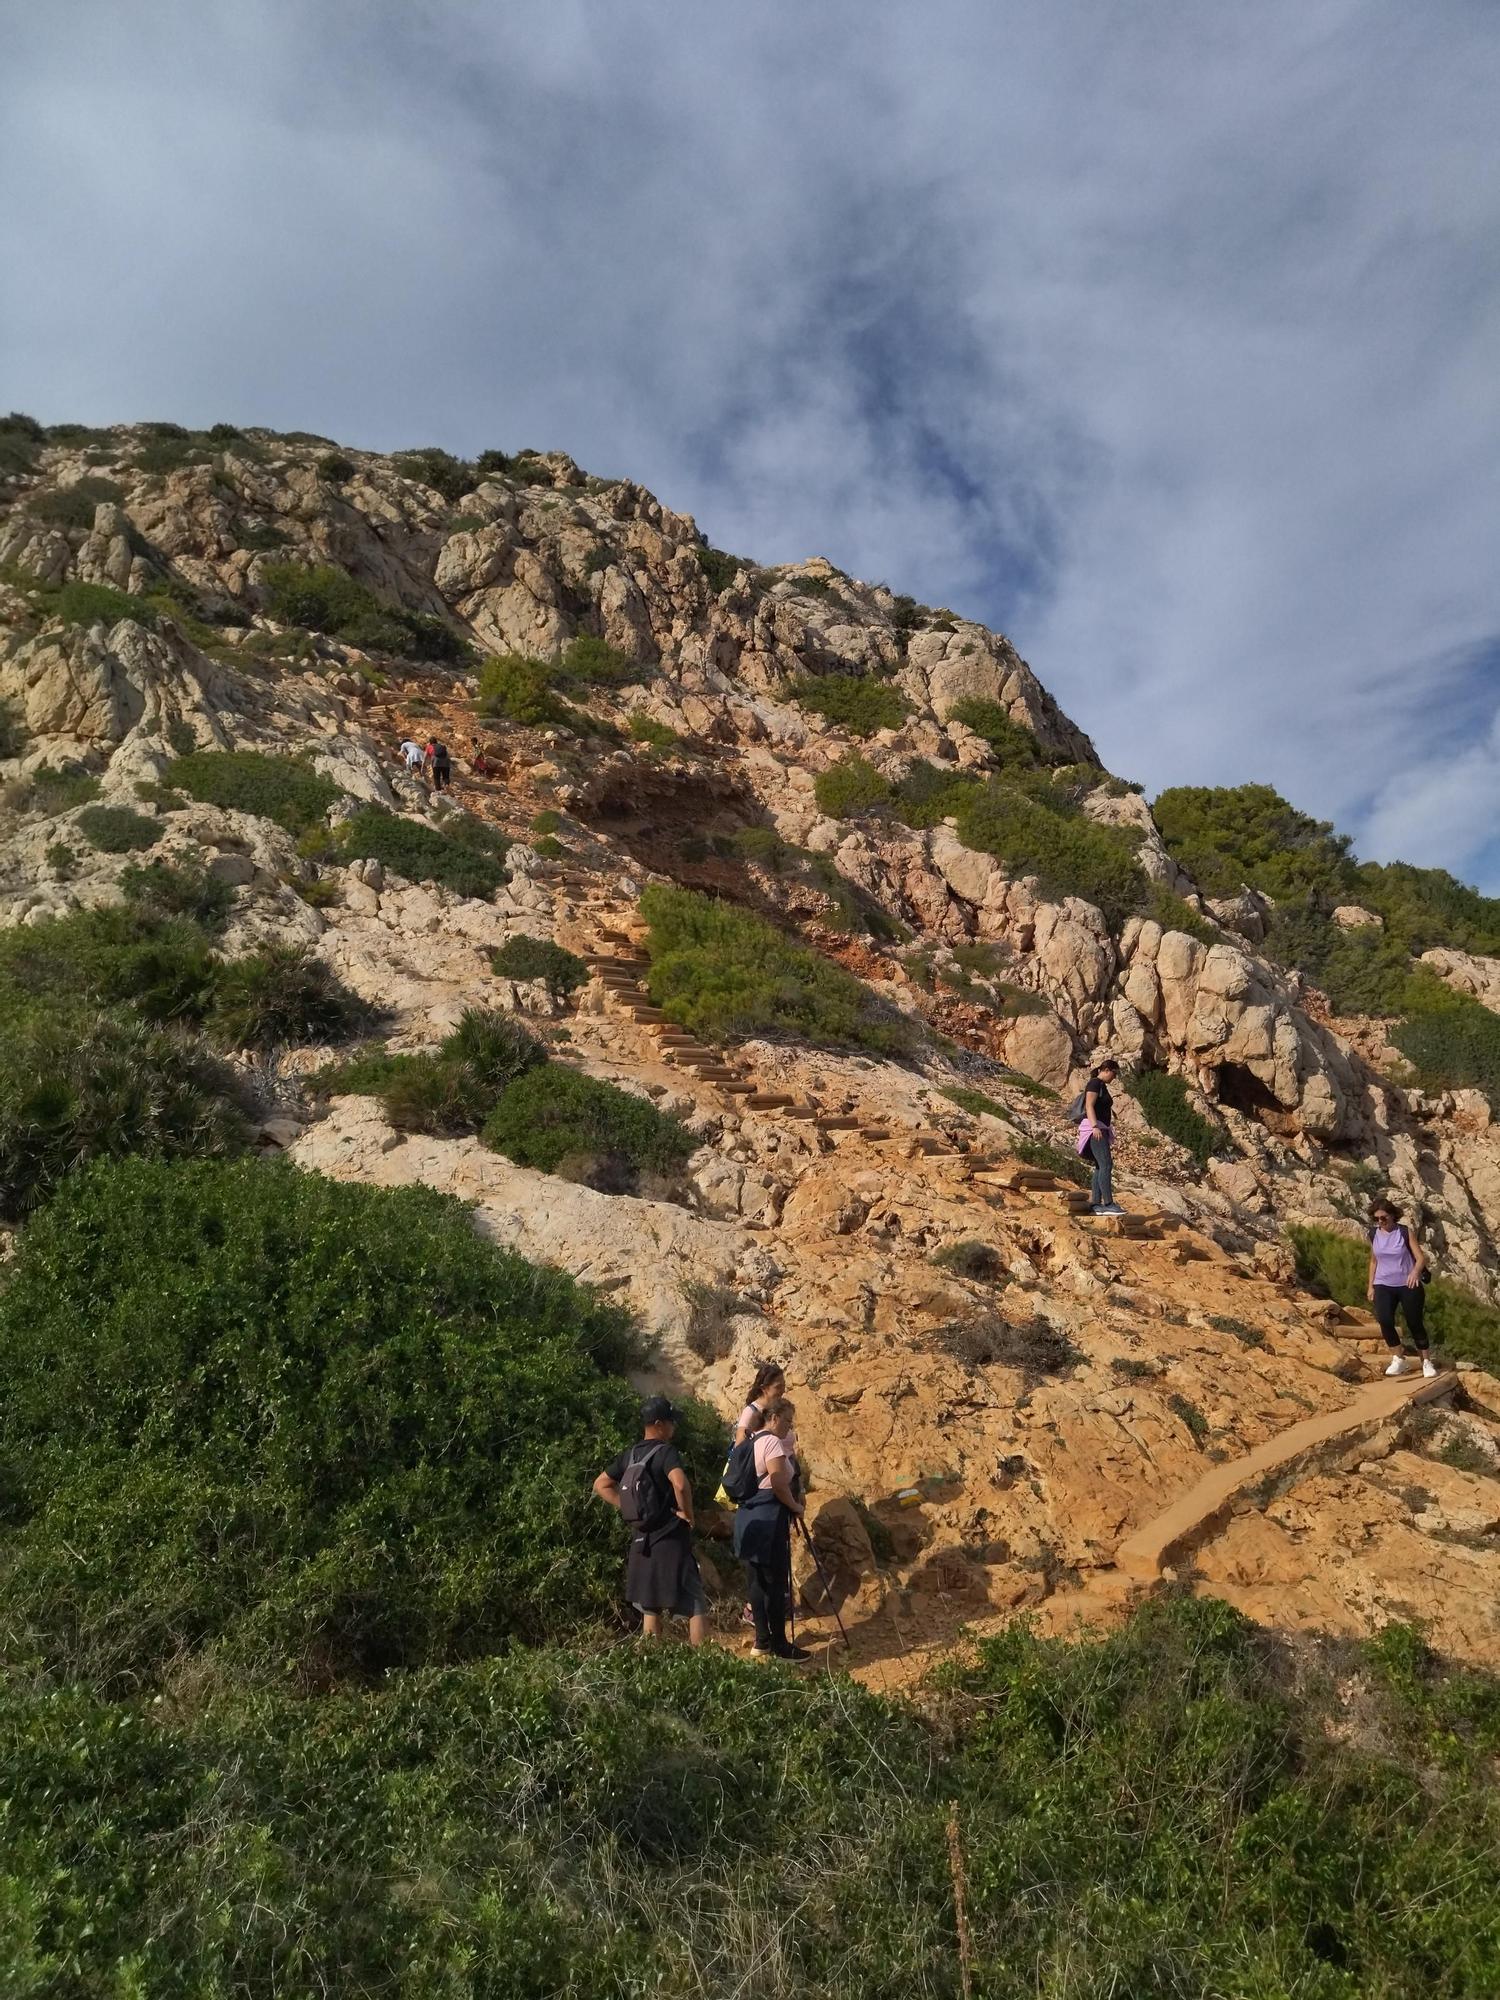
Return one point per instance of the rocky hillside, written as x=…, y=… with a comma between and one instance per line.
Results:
x=869, y=1183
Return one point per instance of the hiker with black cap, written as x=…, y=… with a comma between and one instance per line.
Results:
x=649, y=1488
x=1096, y=1111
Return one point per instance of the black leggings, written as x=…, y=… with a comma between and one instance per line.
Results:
x=768, y=1586
x=1412, y=1304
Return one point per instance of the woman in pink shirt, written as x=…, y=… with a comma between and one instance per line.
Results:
x=763, y=1536
x=1398, y=1270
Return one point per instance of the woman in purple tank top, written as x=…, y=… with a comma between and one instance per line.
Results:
x=1397, y=1268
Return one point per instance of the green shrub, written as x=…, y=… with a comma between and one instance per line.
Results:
x=97, y=604
x=1363, y=971
x=978, y=1262
x=118, y=829
x=1069, y=855
x=262, y=535
x=61, y=859
x=168, y=454
x=1173, y=914
x=336, y=468
x=463, y=857
x=655, y=735
x=977, y=1103
x=930, y=793
x=1337, y=1267
x=520, y=690
x=1453, y=1043
x=538, y=958
x=547, y=847
x=600, y=557
x=1013, y=744
x=280, y=995
x=548, y=820
x=852, y=703
x=592, y=663
x=1229, y=836
x=99, y=958
x=74, y=506
x=1146, y=1813
x=556, y=1118
x=166, y=889
x=851, y=786
x=450, y=476
x=1167, y=1106
x=324, y=598
x=322, y=1426
x=1052, y=1159
x=719, y=569
x=447, y=1093
x=763, y=846
x=283, y=789
x=13, y=732
x=72, y=1092
x=21, y=439
x=727, y=974
x=1190, y=1416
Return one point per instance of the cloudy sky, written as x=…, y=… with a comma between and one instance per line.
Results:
x=1164, y=336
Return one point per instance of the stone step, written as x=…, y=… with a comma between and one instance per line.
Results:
x=874, y=1132
x=1031, y=1179
x=837, y=1122
x=713, y=1073
x=647, y=1016
x=741, y=1087
x=800, y=1110
x=769, y=1100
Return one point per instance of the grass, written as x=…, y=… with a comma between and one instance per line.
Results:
x=1040, y=1153
x=1462, y=1325
x=852, y=703
x=466, y=856
x=1168, y=1108
x=977, y=1103
x=98, y=604
x=727, y=974
x=284, y=789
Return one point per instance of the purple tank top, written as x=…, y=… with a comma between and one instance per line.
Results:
x=1393, y=1260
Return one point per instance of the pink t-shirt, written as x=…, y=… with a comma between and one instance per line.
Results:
x=751, y=1415
x=768, y=1448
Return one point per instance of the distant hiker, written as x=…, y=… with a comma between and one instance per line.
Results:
x=649, y=1487
x=1398, y=1271
x=1096, y=1136
x=412, y=754
x=479, y=763
x=766, y=1391
x=439, y=764
x=763, y=1534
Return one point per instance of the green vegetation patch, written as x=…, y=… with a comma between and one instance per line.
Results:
x=850, y=787
x=283, y=789
x=641, y=728
x=98, y=604
x=73, y=506
x=323, y=598
x=448, y=1092
x=557, y=1120
x=1336, y=1267
x=1168, y=1107
x=1037, y=834
x=1173, y=914
x=727, y=974
x=1052, y=1159
x=851, y=702
x=118, y=829
x=324, y=1426
x=466, y=856
x=162, y=889
x=1012, y=744
x=977, y=1103
x=520, y=689
x=930, y=793
x=590, y=662
x=719, y=569
x=1453, y=1043
x=538, y=958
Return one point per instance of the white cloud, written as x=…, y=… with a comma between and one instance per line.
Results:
x=1162, y=337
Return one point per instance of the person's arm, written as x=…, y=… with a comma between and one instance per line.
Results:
x=1418, y=1259
x=779, y=1473
x=682, y=1493
x=1370, y=1277
x=607, y=1490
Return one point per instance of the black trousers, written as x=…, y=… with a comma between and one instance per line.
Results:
x=1412, y=1304
x=768, y=1586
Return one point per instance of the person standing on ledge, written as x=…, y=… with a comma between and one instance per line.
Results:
x=1398, y=1271
x=649, y=1488
x=1096, y=1136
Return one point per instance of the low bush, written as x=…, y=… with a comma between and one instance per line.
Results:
x=976, y=1103
x=283, y=789
x=451, y=1091
x=555, y=1118
x=465, y=856
x=1037, y=1350
x=1337, y=1266
x=1069, y=855
x=1167, y=1106
x=163, y=969
x=98, y=604
x=73, y=506
x=712, y=1311
x=450, y=476
x=21, y=440
x=1050, y=1159
x=49, y=791
x=324, y=598
x=277, y=996
x=72, y=1092
x=538, y=958
x=1173, y=914
x=1174, y=1809
x=325, y=1427
x=118, y=829
x=13, y=732
x=548, y=820
x=852, y=703
x=851, y=786
x=1453, y=1042
x=969, y=1259
x=167, y=889
x=726, y=974
x=590, y=662
x=719, y=569
x=547, y=847
x=930, y=793
x=520, y=690
x=1013, y=745
x=655, y=735
x=335, y=468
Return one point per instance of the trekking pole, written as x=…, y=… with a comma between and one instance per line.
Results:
x=822, y=1578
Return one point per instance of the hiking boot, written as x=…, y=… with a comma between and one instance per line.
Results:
x=1110, y=1208
x=1398, y=1366
x=797, y=1654
x=1429, y=1366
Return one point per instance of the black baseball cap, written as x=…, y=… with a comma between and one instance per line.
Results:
x=660, y=1410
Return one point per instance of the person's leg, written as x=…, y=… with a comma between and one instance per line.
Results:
x=761, y=1588
x=1107, y=1170
x=1383, y=1306
x=651, y=1622
x=1091, y=1154
x=1414, y=1312
x=698, y=1628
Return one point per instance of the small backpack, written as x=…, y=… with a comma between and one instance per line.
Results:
x=439, y=752
x=645, y=1497
x=741, y=1481
x=1077, y=1111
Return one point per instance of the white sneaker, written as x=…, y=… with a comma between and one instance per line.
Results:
x=1429, y=1366
x=1398, y=1366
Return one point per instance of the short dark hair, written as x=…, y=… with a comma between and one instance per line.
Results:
x=1106, y=1062
x=1385, y=1206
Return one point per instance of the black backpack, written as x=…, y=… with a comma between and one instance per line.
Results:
x=646, y=1501
x=741, y=1481
x=439, y=752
